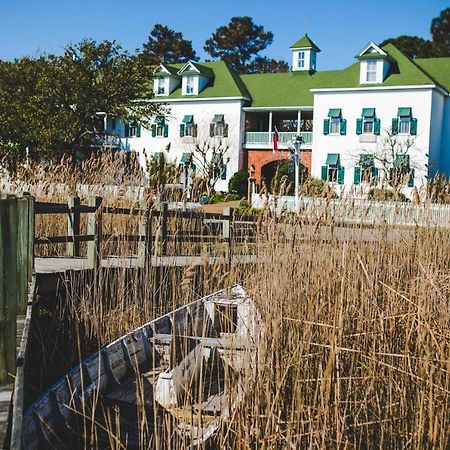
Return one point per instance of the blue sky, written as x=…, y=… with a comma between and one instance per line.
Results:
x=341, y=29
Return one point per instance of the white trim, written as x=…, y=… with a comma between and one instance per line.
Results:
x=373, y=45
x=378, y=88
x=203, y=99
x=188, y=64
x=277, y=108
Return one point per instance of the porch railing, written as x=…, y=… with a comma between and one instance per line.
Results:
x=265, y=137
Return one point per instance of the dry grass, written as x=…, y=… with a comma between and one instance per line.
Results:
x=356, y=350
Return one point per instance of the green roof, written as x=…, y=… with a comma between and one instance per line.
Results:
x=160, y=73
x=201, y=68
x=306, y=42
x=224, y=83
x=438, y=69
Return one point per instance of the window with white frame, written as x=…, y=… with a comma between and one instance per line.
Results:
x=160, y=86
x=404, y=124
x=335, y=125
x=368, y=123
x=301, y=59
x=189, y=84
x=371, y=74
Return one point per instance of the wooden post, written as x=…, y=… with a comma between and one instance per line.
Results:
x=162, y=244
x=8, y=287
x=30, y=200
x=73, y=227
x=22, y=224
x=226, y=230
x=94, y=228
x=145, y=231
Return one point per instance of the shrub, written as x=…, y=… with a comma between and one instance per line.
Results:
x=219, y=198
x=386, y=195
x=239, y=183
x=312, y=187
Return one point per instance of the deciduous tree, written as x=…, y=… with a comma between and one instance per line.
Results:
x=262, y=64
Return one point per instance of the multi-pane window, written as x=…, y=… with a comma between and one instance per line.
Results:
x=218, y=127
x=188, y=127
x=368, y=124
x=335, y=125
x=332, y=170
x=161, y=86
x=371, y=74
x=301, y=59
x=189, y=84
x=404, y=125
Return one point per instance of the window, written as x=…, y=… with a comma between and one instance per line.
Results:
x=219, y=166
x=332, y=170
x=189, y=84
x=132, y=130
x=365, y=171
x=401, y=172
x=368, y=124
x=335, y=125
x=218, y=127
x=371, y=74
x=404, y=123
x=301, y=59
x=188, y=127
x=160, y=128
x=160, y=86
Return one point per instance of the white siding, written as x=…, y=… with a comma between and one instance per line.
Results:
x=386, y=104
x=203, y=112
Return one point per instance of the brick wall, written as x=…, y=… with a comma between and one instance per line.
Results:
x=259, y=158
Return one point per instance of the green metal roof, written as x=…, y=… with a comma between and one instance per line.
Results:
x=366, y=160
x=332, y=159
x=438, y=69
x=160, y=73
x=368, y=112
x=404, y=112
x=305, y=42
x=186, y=157
x=218, y=118
x=188, y=118
x=334, y=113
x=225, y=83
x=401, y=160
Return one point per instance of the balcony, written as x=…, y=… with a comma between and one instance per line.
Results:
x=256, y=139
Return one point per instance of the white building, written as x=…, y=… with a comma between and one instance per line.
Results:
x=346, y=117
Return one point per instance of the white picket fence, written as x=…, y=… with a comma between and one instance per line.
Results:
x=359, y=211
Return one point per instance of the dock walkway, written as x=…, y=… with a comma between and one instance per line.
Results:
x=7, y=390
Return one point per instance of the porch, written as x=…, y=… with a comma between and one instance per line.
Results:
x=260, y=125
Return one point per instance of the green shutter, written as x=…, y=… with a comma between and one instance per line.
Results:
x=358, y=126
x=127, y=130
x=138, y=131
x=326, y=126
x=341, y=175
x=357, y=175
x=153, y=130
x=212, y=128
x=181, y=129
x=194, y=130
x=223, y=173
x=394, y=125
x=377, y=127
x=411, y=178
x=166, y=130
x=374, y=174
x=413, y=127
x=343, y=126
x=324, y=173
x=225, y=130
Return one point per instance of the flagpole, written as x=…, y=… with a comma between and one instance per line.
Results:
x=297, y=142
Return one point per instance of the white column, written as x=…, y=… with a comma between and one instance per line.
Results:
x=270, y=126
x=299, y=118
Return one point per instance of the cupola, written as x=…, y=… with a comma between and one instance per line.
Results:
x=304, y=55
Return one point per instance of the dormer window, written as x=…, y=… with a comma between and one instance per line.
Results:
x=166, y=80
x=160, y=86
x=371, y=73
x=190, y=84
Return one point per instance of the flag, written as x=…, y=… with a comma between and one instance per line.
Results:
x=275, y=140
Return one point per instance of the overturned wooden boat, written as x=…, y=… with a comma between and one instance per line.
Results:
x=168, y=384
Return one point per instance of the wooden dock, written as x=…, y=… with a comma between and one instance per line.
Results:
x=7, y=390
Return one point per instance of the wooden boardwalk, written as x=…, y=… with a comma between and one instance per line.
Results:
x=6, y=391
x=55, y=265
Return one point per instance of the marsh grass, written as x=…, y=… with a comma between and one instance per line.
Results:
x=355, y=352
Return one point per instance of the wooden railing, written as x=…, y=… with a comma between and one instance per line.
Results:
x=153, y=234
